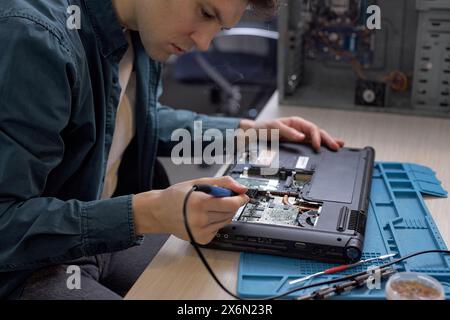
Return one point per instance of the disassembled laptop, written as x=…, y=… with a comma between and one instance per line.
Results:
x=313, y=205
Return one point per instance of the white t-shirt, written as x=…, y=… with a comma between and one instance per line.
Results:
x=125, y=122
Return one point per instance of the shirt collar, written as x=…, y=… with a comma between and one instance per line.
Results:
x=107, y=27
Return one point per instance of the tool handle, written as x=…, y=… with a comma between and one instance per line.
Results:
x=216, y=192
x=337, y=269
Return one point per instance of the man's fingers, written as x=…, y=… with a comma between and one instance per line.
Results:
x=216, y=216
x=217, y=208
x=290, y=134
x=297, y=129
x=224, y=182
x=340, y=142
x=310, y=129
x=214, y=227
x=206, y=234
x=314, y=134
x=329, y=141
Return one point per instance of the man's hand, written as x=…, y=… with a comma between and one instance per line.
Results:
x=296, y=129
x=160, y=211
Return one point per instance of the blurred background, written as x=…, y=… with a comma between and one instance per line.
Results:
x=236, y=77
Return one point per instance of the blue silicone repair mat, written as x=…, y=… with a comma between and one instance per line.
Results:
x=398, y=222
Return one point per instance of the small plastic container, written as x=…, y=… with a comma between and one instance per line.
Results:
x=413, y=286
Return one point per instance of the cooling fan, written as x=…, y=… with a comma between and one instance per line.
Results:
x=370, y=93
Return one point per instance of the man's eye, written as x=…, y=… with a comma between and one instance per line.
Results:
x=207, y=15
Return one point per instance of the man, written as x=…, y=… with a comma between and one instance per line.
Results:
x=80, y=128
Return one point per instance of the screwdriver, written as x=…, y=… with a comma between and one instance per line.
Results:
x=216, y=192
x=341, y=268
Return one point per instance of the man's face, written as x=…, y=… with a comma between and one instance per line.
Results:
x=171, y=27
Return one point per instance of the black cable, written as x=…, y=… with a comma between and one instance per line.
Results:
x=323, y=283
x=200, y=254
x=197, y=249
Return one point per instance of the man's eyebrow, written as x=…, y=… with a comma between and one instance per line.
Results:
x=219, y=17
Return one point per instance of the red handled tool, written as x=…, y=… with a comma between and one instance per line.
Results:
x=341, y=268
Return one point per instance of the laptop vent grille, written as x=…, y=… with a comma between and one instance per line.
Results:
x=357, y=222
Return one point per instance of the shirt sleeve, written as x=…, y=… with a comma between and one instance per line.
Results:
x=37, y=81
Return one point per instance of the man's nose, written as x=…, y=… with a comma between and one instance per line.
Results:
x=202, y=39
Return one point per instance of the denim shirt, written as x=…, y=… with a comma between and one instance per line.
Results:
x=59, y=92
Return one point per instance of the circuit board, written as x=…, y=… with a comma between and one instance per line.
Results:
x=289, y=181
x=258, y=183
x=276, y=199
x=336, y=31
x=286, y=211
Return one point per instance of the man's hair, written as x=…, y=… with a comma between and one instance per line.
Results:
x=264, y=7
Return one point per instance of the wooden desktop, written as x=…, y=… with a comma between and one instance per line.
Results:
x=177, y=273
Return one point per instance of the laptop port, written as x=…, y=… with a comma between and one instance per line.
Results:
x=300, y=245
x=264, y=240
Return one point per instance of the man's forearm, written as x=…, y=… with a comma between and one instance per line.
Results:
x=144, y=206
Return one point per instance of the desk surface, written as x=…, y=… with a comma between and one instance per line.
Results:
x=177, y=273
